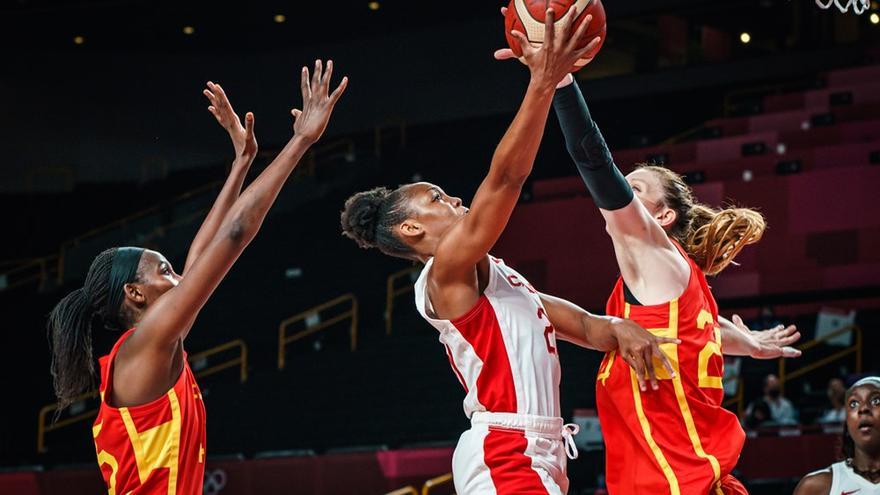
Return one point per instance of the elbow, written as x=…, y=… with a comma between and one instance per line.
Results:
x=241, y=229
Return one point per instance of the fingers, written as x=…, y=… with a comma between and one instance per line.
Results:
x=504, y=54
x=524, y=44
x=504, y=11
x=249, y=125
x=316, y=77
x=638, y=366
x=737, y=321
x=790, y=352
x=304, y=84
x=789, y=339
x=581, y=30
x=549, y=31
x=648, y=356
x=328, y=74
x=567, y=24
x=659, y=354
x=591, y=46
x=334, y=97
x=296, y=112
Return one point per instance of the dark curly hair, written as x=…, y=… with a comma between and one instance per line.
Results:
x=369, y=219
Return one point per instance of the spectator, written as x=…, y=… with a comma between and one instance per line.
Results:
x=836, y=396
x=758, y=415
x=781, y=410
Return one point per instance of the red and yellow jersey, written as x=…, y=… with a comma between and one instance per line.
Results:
x=678, y=439
x=154, y=448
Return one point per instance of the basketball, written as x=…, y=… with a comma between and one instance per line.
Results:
x=527, y=17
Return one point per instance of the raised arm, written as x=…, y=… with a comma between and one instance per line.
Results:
x=650, y=264
x=171, y=317
x=514, y=157
x=638, y=347
x=245, y=144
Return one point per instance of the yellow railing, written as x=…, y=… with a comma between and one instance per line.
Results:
x=434, y=482
x=43, y=428
x=785, y=375
x=391, y=293
x=407, y=490
x=351, y=313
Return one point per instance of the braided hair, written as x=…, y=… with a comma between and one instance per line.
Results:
x=369, y=219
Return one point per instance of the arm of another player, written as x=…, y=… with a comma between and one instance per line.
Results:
x=171, y=318
x=472, y=237
x=245, y=144
x=649, y=263
x=638, y=347
x=738, y=340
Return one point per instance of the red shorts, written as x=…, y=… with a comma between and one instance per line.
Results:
x=732, y=486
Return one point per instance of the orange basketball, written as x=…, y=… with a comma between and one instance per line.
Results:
x=527, y=17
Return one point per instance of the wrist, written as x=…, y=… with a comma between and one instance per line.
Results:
x=542, y=86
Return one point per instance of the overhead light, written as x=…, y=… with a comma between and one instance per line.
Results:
x=373, y=5
x=745, y=38
x=279, y=18
x=874, y=18
x=188, y=30
x=78, y=40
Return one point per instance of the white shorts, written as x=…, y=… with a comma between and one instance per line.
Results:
x=507, y=454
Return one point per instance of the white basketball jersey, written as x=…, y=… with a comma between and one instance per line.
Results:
x=846, y=482
x=503, y=350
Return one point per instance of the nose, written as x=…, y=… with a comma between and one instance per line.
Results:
x=456, y=202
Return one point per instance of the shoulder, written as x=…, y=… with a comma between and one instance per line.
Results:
x=818, y=483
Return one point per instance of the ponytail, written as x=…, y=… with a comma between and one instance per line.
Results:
x=98, y=303
x=711, y=237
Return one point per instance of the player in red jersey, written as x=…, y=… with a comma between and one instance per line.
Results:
x=499, y=333
x=677, y=438
x=150, y=430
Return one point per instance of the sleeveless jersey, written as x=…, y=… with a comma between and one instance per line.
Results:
x=846, y=482
x=503, y=350
x=155, y=448
x=678, y=439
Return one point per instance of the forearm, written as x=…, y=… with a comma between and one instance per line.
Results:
x=734, y=340
x=515, y=155
x=600, y=332
x=228, y=195
x=248, y=211
x=588, y=149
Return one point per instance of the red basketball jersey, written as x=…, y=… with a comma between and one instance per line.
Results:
x=154, y=448
x=678, y=439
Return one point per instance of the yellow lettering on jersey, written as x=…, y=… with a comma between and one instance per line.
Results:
x=681, y=397
x=107, y=458
x=157, y=447
x=712, y=348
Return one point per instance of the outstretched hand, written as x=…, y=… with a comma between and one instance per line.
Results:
x=639, y=348
x=772, y=343
x=243, y=139
x=565, y=35
x=318, y=103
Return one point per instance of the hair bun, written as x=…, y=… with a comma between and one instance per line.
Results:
x=360, y=218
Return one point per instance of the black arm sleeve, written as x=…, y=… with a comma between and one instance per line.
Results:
x=587, y=147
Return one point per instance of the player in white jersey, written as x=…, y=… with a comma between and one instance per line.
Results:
x=859, y=473
x=499, y=333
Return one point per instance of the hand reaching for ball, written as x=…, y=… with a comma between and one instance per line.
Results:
x=525, y=13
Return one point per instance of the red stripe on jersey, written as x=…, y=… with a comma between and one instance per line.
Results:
x=480, y=328
x=511, y=469
x=455, y=368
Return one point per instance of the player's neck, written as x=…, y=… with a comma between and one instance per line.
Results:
x=867, y=462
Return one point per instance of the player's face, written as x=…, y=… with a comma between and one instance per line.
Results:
x=863, y=417
x=157, y=276
x=433, y=209
x=649, y=190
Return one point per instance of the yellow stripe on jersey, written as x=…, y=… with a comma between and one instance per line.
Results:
x=157, y=447
x=646, y=426
x=683, y=404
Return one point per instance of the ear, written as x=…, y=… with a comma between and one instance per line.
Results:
x=410, y=229
x=666, y=218
x=134, y=294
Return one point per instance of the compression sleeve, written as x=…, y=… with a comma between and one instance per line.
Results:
x=587, y=147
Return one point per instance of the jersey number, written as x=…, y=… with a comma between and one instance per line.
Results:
x=712, y=348
x=549, y=332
